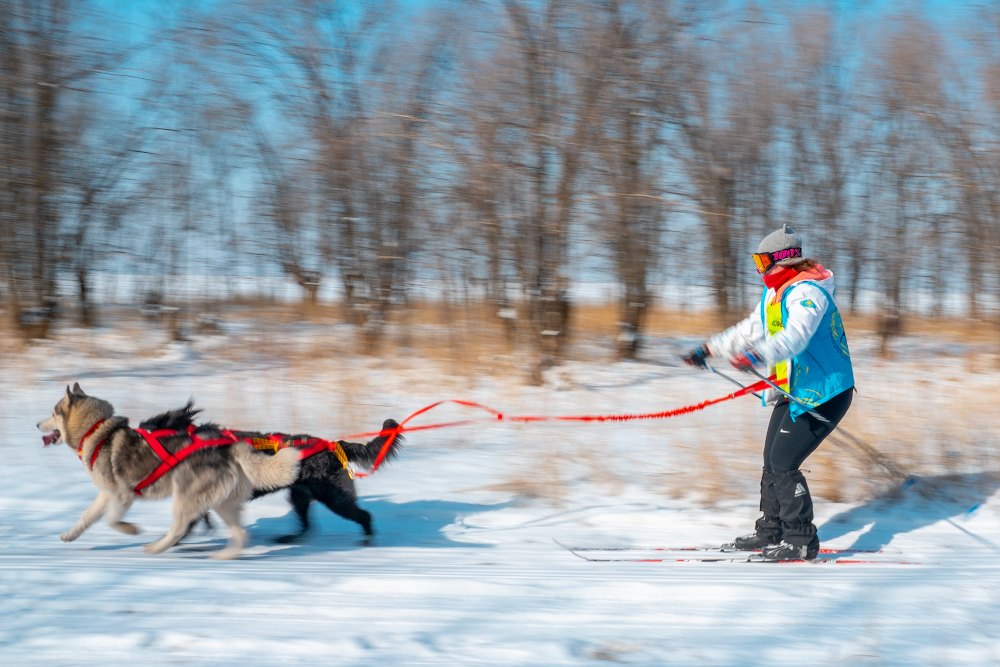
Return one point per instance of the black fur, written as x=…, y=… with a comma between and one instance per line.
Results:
x=322, y=477
x=177, y=420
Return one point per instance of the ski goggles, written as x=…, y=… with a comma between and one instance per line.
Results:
x=765, y=260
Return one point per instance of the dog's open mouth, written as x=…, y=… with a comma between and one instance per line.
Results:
x=50, y=438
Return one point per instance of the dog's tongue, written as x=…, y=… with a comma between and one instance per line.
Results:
x=50, y=438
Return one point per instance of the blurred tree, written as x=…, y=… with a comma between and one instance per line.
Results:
x=727, y=110
x=52, y=175
x=906, y=153
x=640, y=42
x=351, y=101
x=37, y=63
x=542, y=85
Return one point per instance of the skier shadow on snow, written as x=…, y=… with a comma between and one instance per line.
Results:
x=415, y=524
x=918, y=502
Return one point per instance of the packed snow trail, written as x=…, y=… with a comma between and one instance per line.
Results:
x=463, y=570
x=474, y=582
x=512, y=599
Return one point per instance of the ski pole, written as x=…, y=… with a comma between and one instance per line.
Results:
x=873, y=455
x=720, y=374
x=789, y=396
x=808, y=407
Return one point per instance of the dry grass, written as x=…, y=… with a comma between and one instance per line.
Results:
x=469, y=339
x=11, y=339
x=557, y=463
x=725, y=462
x=940, y=424
x=827, y=478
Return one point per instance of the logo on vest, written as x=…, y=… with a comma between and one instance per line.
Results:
x=800, y=490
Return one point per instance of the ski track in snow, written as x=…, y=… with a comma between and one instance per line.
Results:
x=464, y=572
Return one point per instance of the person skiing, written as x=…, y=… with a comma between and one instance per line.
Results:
x=795, y=333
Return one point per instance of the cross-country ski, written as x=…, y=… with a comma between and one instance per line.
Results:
x=721, y=549
x=719, y=555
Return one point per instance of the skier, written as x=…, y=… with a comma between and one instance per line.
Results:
x=796, y=333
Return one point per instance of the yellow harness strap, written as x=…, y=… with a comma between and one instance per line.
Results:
x=774, y=325
x=275, y=445
x=342, y=457
x=264, y=443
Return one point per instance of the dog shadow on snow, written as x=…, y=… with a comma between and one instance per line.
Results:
x=918, y=502
x=414, y=524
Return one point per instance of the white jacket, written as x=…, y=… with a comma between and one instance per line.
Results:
x=806, y=305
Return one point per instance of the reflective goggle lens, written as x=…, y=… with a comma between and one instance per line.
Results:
x=763, y=261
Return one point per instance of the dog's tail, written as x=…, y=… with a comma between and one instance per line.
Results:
x=367, y=453
x=268, y=472
x=175, y=420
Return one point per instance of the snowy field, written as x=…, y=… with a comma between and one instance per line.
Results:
x=464, y=570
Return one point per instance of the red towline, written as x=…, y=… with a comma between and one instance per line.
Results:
x=317, y=445
x=664, y=414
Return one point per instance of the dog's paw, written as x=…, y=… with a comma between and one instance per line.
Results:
x=127, y=528
x=227, y=554
x=154, y=547
x=68, y=536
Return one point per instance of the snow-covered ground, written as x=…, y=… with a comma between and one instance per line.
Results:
x=464, y=569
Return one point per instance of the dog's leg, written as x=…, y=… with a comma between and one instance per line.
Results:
x=88, y=518
x=345, y=507
x=230, y=511
x=204, y=517
x=300, y=498
x=116, y=510
x=184, y=514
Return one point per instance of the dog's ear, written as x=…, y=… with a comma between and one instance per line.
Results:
x=77, y=390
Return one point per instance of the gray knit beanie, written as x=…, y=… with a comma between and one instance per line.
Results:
x=783, y=239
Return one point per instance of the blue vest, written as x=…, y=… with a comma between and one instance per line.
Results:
x=823, y=369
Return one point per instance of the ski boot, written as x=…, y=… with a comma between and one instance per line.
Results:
x=751, y=542
x=789, y=552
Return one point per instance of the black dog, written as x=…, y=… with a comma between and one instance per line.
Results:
x=322, y=476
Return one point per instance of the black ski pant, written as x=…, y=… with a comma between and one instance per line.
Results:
x=784, y=493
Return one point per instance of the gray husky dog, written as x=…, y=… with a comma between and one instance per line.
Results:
x=214, y=478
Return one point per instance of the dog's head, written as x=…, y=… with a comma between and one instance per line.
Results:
x=73, y=416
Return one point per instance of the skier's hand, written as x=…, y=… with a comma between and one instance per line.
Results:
x=745, y=360
x=697, y=357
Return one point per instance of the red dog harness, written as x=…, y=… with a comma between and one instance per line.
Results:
x=275, y=441
x=97, y=450
x=167, y=460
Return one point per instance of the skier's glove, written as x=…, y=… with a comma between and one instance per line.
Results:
x=745, y=360
x=697, y=357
